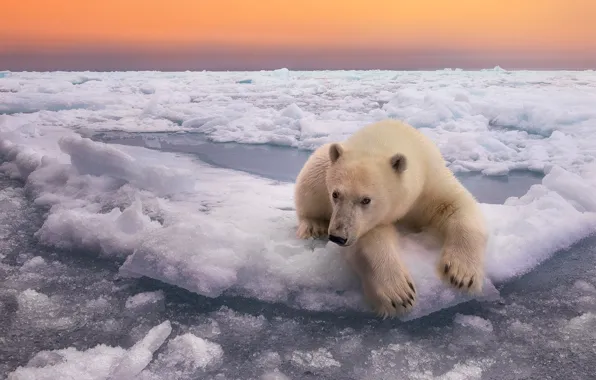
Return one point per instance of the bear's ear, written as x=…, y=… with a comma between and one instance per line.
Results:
x=399, y=163
x=335, y=152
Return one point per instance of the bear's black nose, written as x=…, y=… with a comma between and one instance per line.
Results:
x=337, y=240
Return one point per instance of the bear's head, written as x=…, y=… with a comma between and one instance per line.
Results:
x=364, y=191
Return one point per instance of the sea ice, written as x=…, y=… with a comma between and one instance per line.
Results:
x=222, y=233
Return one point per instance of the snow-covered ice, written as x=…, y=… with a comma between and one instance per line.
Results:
x=125, y=214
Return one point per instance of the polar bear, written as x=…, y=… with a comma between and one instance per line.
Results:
x=388, y=174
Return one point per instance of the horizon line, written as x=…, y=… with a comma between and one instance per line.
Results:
x=291, y=70
x=219, y=58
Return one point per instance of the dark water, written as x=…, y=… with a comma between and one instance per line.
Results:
x=284, y=163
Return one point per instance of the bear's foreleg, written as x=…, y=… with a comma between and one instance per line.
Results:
x=386, y=282
x=311, y=198
x=464, y=244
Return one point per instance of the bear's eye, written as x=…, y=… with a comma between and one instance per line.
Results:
x=365, y=200
x=335, y=195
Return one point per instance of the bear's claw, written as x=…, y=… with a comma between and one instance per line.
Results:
x=463, y=274
x=390, y=298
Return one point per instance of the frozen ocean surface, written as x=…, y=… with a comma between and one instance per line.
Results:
x=147, y=227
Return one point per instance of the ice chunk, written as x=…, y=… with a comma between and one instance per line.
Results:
x=274, y=375
x=195, y=252
x=30, y=103
x=98, y=159
x=116, y=233
x=191, y=352
x=20, y=161
x=199, y=121
x=9, y=86
x=320, y=358
x=41, y=312
x=520, y=329
x=138, y=356
x=572, y=187
x=529, y=229
x=283, y=73
x=242, y=324
x=474, y=322
x=585, y=287
x=145, y=301
x=83, y=79
x=207, y=330
x=99, y=363
x=524, y=232
x=186, y=356
x=463, y=372
x=292, y=111
x=219, y=269
x=269, y=360
x=496, y=68
x=582, y=327
x=98, y=305
x=147, y=89
x=33, y=264
x=70, y=363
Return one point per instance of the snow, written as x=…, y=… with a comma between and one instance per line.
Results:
x=98, y=363
x=93, y=364
x=224, y=233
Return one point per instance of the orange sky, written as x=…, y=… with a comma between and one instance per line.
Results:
x=465, y=24
x=257, y=34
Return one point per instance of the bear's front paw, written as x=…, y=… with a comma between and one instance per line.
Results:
x=309, y=228
x=462, y=272
x=390, y=295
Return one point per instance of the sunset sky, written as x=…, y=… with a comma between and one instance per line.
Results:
x=307, y=34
